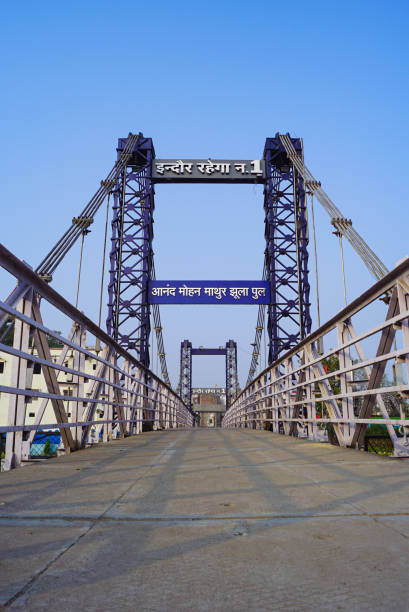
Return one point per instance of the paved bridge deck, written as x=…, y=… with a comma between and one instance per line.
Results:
x=206, y=520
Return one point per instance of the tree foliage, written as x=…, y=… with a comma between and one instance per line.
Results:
x=8, y=332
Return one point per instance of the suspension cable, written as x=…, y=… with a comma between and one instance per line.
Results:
x=157, y=358
x=265, y=342
x=258, y=333
x=46, y=268
x=339, y=236
x=160, y=347
x=343, y=269
x=297, y=251
x=315, y=259
x=79, y=271
x=103, y=263
x=370, y=259
x=50, y=262
x=84, y=223
x=119, y=262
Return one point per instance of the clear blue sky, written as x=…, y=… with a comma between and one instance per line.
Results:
x=204, y=79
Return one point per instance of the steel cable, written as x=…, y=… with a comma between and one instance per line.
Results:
x=258, y=334
x=160, y=347
x=68, y=239
x=92, y=207
x=61, y=248
x=101, y=291
x=370, y=259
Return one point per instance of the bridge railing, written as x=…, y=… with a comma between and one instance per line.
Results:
x=336, y=394
x=51, y=382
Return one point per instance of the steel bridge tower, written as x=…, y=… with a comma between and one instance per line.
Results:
x=131, y=257
x=286, y=233
x=232, y=380
x=185, y=381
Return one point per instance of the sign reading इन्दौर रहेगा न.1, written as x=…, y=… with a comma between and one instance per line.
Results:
x=208, y=170
x=209, y=292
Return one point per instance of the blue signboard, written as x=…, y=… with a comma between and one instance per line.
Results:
x=209, y=292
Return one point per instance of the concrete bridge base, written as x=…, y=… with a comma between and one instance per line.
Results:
x=206, y=520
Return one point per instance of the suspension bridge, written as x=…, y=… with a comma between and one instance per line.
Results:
x=132, y=503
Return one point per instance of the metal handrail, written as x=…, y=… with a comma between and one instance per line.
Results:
x=285, y=396
x=121, y=383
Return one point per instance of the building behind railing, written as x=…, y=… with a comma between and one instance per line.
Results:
x=36, y=382
x=57, y=382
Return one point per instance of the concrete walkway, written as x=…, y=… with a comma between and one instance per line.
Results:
x=206, y=520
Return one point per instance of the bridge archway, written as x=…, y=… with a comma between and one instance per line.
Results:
x=285, y=268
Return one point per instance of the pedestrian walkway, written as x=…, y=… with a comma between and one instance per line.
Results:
x=206, y=520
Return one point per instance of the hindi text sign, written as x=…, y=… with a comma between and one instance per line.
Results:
x=209, y=292
x=208, y=170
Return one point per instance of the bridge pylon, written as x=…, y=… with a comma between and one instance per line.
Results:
x=185, y=381
x=131, y=257
x=286, y=255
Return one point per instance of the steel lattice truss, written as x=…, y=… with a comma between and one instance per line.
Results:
x=286, y=234
x=232, y=381
x=185, y=382
x=131, y=255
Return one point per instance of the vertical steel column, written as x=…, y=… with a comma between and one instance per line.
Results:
x=186, y=372
x=232, y=381
x=131, y=254
x=286, y=233
x=18, y=378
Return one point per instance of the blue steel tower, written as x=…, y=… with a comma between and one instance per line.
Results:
x=286, y=233
x=131, y=257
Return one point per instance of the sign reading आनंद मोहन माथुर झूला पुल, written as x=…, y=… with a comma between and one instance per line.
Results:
x=208, y=170
x=209, y=292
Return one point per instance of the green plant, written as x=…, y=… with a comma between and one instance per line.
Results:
x=47, y=447
x=7, y=333
x=376, y=429
x=53, y=342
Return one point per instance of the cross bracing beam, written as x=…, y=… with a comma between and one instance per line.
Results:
x=209, y=351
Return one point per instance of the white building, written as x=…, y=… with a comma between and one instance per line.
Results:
x=36, y=382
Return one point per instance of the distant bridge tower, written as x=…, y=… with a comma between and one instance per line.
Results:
x=232, y=381
x=286, y=234
x=185, y=381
